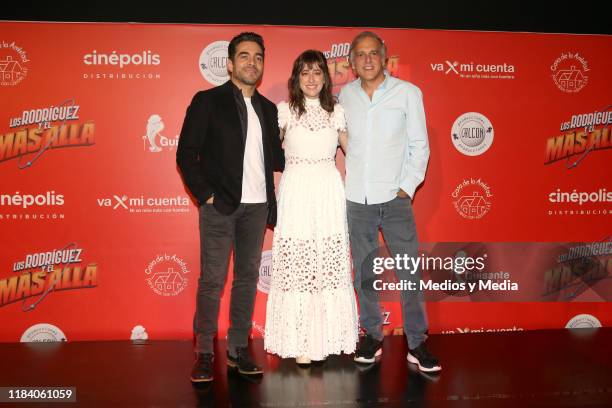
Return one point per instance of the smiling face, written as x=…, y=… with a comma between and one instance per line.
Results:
x=311, y=81
x=247, y=66
x=368, y=60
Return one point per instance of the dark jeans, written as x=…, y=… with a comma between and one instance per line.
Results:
x=396, y=220
x=244, y=230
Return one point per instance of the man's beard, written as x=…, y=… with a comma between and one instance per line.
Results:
x=248, y=80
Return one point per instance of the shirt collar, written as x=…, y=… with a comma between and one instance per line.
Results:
x=383, y=85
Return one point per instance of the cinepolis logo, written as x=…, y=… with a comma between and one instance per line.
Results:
x=474, y=69
x=572, y=202
x=569, y=72
x=121, y=65
x=213, y=62
x=50, y=198
x=472, y=134
x=166, y=275
x=115, y=59
x=265, y=272
x=37, y=206
x=13, y=64
x=154, y=139
x=43, y=333
x=472, y=198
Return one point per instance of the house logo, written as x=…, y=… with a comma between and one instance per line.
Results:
x=213, y=63
x=472, y=134
x=153, y=140
x=472, y=198
x=13, y=64
x=265, y=272
x=43, y=333
x=166, y=275
x=569, y=72
x=583, y=321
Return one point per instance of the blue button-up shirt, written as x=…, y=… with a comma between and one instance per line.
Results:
x=387, y=144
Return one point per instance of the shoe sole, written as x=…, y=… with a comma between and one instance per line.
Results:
x=231, y=364
x=199, y=380
x=412, y=359
x=364, y=360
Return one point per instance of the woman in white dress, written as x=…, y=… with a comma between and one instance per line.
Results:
x=311, y=311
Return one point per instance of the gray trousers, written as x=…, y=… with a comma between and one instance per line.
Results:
x=244, y=231
x=396, y=220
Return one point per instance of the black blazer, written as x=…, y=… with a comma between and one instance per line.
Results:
x=210, y=152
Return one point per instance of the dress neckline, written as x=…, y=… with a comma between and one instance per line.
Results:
x=312, y=102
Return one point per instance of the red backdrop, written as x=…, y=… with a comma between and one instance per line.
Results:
x=88, y=177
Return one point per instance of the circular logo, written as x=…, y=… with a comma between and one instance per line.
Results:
x=569, y=72
x=13, y=63
x=213, y=62
x=265, y=272
x=472, y=198
x=472, y=133
x=166, y=275
x=583, y=321
x=43, y=333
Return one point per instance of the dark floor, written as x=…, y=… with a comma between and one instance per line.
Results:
x=559, y=368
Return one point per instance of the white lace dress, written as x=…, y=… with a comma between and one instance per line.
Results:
x=311, y=310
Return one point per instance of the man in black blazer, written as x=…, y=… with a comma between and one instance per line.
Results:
x=228, y=149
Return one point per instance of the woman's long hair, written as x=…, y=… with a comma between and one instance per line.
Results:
x=310, y=58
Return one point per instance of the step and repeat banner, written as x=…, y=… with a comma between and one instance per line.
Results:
x=100, y=237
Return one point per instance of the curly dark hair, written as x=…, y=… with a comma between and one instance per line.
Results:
x=310, y=58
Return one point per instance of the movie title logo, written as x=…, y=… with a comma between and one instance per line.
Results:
x=340, y=70
x=122, y=65
x=40, y=273
x=578, y=268
x=338, y=50
x=569, y=72
x=13, y=64
x=584, y=133
x=36, y=131
x=43, y=117
x=474, y=70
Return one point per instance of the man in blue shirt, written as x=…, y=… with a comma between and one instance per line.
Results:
x=386, y=160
